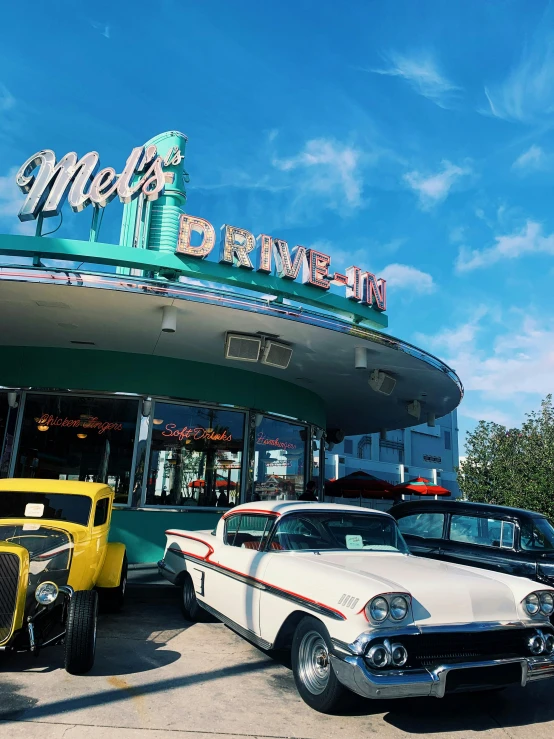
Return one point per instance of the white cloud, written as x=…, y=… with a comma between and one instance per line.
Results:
x=533, y=158
x=529, y=240
x=434, y=188
x=423, y=75
x=328, y=169
x=403, y=276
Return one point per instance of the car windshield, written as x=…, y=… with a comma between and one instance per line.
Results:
x=56, y=506
x=537, y=535
x=338, y=531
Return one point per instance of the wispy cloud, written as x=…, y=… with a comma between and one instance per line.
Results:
x=102, y=28
x=403, y=276
x=527, y=93
x=423, y=74
x=329, y=169
x=434, y=188
x=531, y=160
x=529, y=240
x=7, y=100
x=11, y=200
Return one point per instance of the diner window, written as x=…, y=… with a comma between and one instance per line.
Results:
x=195, y=456
x=8, y=415
x=66, y=437
x=251, y=532
x=101, y=512
x=424, y=525
x=279, y=460
x=489, y=532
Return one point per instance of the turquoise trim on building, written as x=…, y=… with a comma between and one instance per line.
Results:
x=78, y=369
x=112, y=255
x=143, y=531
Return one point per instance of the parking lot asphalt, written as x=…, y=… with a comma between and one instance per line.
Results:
x=158, y=677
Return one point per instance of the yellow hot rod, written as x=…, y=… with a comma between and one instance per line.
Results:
x=55, y=565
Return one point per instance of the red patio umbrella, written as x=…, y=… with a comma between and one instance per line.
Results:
x=421, y=486
x=197, y=484
x=359, y=484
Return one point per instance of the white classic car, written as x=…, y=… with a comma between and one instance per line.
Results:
x=337, y=585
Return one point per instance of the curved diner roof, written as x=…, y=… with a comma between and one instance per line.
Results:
x=52, y=307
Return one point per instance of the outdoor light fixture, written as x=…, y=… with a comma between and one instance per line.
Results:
x=169, y=319
x=360, y=358
x=146, y=406
x=42, y=427
x=81, y=436
x=381, y=382
x=247, y=348
x=414, y=409
x=276, y=354
x=12, y=399
x=318, y=434
x=431, y=419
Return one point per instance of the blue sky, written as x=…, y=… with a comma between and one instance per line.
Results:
x=412, y=138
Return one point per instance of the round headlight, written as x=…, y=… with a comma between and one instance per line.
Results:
x=532, y=604
x=398, y=607
x=379, y=609
x=46, y=593
x=547, y=603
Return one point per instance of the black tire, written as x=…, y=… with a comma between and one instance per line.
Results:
x=80, y=636
x=112, y=599
x=192, y=610
x=313, y=673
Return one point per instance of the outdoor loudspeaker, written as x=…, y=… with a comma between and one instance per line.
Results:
x=244, y=348
x=276, y=354
x=334, y=436
x=381, y=382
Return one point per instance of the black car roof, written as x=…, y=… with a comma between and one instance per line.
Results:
x=460, y=506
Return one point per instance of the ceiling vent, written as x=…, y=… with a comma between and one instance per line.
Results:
x=381, y=382
x=243, y=348
x=276, y=354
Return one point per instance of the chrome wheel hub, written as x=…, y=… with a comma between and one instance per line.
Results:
x=313, y=662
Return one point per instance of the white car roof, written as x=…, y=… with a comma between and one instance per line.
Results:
x=282, y=507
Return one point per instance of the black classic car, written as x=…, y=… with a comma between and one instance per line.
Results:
x=493, y=537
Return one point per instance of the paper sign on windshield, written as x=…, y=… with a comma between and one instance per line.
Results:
x=34, y=510
x=354, y=541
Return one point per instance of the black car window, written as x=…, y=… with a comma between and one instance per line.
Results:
x=488, y=532
x=537, y=535
x=425, y=525
x=56, y=506
x=101, y=512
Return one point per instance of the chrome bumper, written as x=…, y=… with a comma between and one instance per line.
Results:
x=354, y=674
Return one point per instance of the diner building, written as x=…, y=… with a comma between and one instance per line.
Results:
x=189, y=375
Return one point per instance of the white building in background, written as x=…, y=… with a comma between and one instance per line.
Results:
x=397, y=456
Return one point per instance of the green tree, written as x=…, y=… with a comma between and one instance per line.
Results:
x=513, y=467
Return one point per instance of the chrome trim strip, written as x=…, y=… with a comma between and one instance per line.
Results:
x=241, y=631
x=252, y=582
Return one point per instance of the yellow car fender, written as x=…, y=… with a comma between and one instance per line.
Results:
x=110, y=574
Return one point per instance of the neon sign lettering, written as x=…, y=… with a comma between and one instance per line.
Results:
x=265, y=441
x=239, y=247
x=90, y=423
x=197, y=433
x=48, y=188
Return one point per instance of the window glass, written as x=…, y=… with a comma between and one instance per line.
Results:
x=348, y=446
x=231, y=527
x=101, y=512
x=426, y=525
x=488, y=532
x=279, y=460
x=78, y=438
x=338, y=531
x=8, y=417
x=537, y=535
x=195, y=457
x=251, y=531
x=447, y=440
x=57, y=506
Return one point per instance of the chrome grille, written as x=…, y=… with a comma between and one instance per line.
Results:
x=9, y=578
